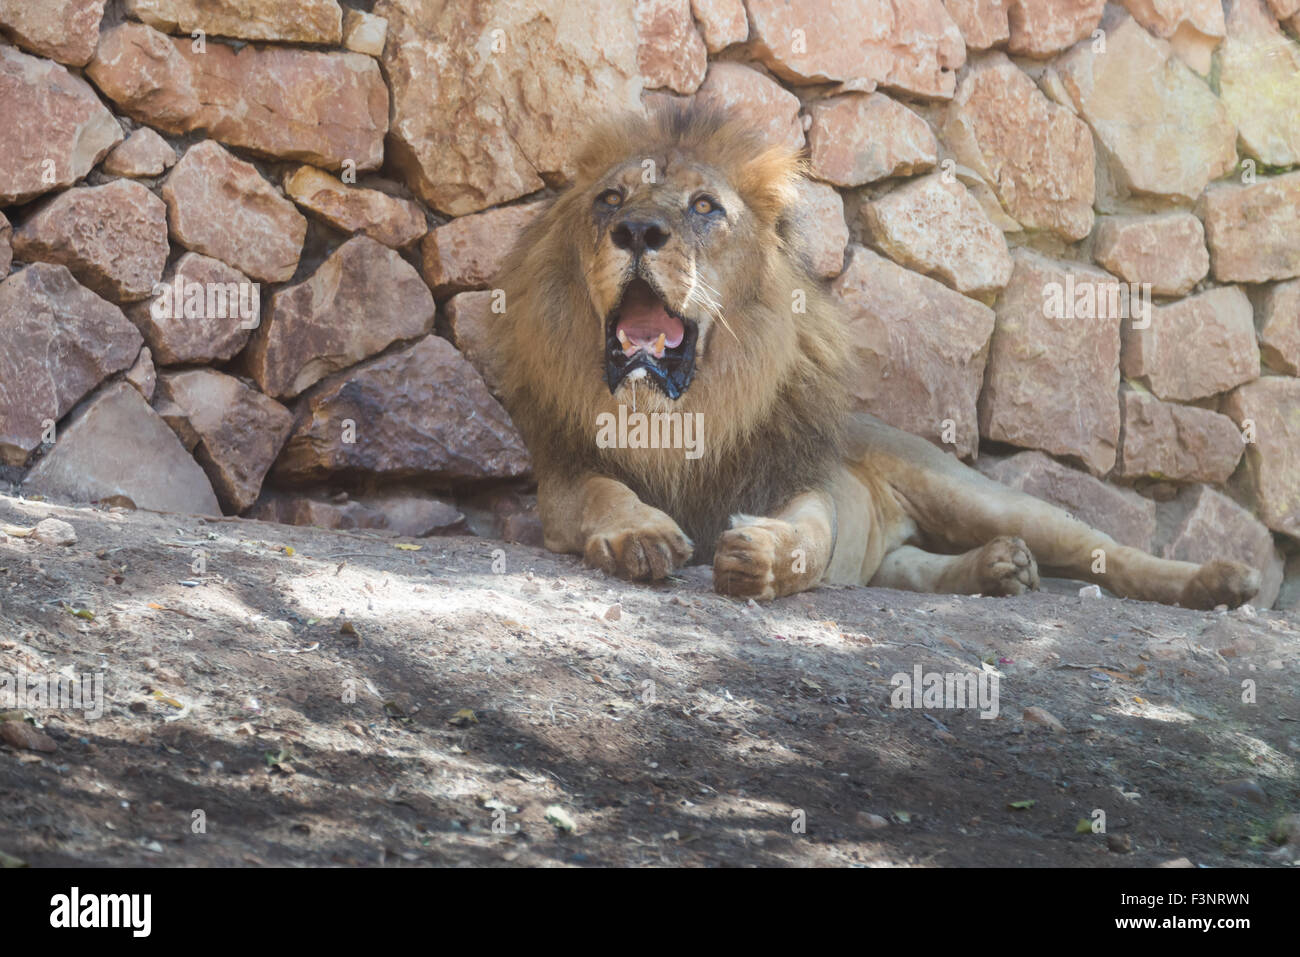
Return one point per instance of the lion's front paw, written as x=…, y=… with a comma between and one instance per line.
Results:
x=650, y=549
x=1220, y=583
x=745, y=562
x=1004, y=567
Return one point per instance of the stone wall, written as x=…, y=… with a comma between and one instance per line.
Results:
x=251, y=241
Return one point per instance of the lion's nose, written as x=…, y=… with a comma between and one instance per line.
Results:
x=639, y=235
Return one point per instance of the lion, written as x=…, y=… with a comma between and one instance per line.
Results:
x=669, y=281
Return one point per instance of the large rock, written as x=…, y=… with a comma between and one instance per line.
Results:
x=470, y=318
x=292, y=21
x=722, y=22
x=937, y=228
x=1163, y=131
x=63, y=30
x=113, y=238
x=363, y=298
x=58, y=340
x=6, y=246
x=1165, y=440
x=1164, y=249
x=1193, y=27
x=412, y=516
x=669, y=50
x=533, y=72
x=741, y=91
x=222, y=207
x=505, y=514
x=387, y=219
x=421, y=412
x=1202, y=525
x=364, y=32
x=1271, y=478
x=1289, y=595
x=1053, y=369
x=327, y=109
x=1164, y=18
x=467, y=252
x=1041, y=28
x=918, y=350
x=234, y=431
x=822, y=233
x=203, y=312
x=1036, y=155
x=859, y=138
x=143, y=375
x=1285, y=9
x=144, y=153
x=1259, y=83
x=914, y=47
x=1253, y=231
x=1278, y=322
x=115, y=446
x=1195, y=347
x=55, y=127
x=983, y=23
x=1121, y=513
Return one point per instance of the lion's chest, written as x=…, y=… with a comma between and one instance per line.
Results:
x=700, y=495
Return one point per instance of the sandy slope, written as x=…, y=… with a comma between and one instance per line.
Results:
x=355, y=702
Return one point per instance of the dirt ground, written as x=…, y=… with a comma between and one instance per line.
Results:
x=305, y=697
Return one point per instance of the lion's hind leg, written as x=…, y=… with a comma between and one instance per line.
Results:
x=1002, y=566
x=1067, y=547
x=955, y=508
x=961, y=508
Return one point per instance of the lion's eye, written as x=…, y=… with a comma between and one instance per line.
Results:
x=703, y=205
x=611, y=198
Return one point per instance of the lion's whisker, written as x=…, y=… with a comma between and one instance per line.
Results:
x=700, y=291
x=714, y=309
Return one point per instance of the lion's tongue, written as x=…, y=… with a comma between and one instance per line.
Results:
x=643, y=319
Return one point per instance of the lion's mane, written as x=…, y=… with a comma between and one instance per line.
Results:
x=773, y=396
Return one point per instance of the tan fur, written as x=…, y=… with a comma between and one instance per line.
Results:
x=791, y=490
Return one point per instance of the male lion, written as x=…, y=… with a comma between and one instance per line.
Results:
x=669, y=279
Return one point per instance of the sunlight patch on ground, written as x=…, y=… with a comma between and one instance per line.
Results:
x=1135, y=706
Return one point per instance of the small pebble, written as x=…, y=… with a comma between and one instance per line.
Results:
x=20, y=734
x=1247, y=790
x=1287, y=830
x=54, y=531
x=1043, y=717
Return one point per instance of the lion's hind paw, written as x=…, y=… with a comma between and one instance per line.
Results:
x=1221, y=583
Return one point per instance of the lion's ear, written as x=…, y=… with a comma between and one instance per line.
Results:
x=767, y=182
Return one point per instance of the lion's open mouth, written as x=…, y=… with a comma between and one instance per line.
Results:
x=642, y=333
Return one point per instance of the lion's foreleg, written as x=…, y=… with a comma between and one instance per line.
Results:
x=602, y=520
x=767, y=557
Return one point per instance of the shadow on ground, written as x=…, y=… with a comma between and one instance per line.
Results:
x=305, y=697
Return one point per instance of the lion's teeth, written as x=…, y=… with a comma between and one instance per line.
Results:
x=628, y=347
x=659, y=346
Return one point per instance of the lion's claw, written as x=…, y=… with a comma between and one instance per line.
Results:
x=744, y=563
x=649, y=552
